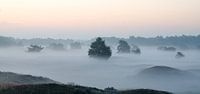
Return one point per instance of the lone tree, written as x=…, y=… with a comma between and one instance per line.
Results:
x=123, y=47
x=135, y=49
x=35, y=48
x=179, y=55
x=98, y=49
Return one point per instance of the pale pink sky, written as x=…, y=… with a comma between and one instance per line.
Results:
x=90, y=18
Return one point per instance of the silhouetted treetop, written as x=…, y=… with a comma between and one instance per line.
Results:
x=99, y=49
x=123, y=47
x=35, y=48
x=180, y=55
x=135, y=49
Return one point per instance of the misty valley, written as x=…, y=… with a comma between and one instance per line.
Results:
x=99, y=46
x=130, y=64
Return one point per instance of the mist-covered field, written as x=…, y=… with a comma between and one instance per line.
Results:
x=120, y=71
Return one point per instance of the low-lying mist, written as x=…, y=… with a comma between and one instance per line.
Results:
x=120, y=71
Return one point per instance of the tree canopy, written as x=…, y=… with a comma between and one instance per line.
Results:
x=99, y=49
x=123, y=47
x=35, y=48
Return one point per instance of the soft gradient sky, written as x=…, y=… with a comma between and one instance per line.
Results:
x=90, y=18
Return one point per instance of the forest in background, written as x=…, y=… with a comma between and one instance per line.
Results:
x=183, y=42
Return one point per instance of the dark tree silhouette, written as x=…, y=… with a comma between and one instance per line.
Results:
x=98, y=49
x=35, y=48
x=123, y=47
x=179, y=55
x=135, y=49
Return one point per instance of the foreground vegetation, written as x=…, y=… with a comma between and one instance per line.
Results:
x=70, y=89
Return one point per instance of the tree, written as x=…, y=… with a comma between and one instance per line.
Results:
x=35, y=48
x=123, y=47
x=135, y=49
x=179, y=55
x=98, y=49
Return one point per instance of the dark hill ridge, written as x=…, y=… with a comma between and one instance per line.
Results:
x=70, y=89
x=10, y=78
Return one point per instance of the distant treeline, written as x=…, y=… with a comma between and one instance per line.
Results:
x=183, y=41
x=8, y=41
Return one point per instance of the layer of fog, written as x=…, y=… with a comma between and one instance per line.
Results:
x=75, y=66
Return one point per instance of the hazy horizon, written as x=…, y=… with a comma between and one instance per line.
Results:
x=141, y=44
x=85, y=19
x=89, y=38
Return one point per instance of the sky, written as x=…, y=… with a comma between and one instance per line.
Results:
x=85, y=19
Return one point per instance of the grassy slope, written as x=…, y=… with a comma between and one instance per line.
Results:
x=69, y=89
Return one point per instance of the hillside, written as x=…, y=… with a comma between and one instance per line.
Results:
x=10, y=78
x=70, y=89
x=162, y=72
x=167, y=78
